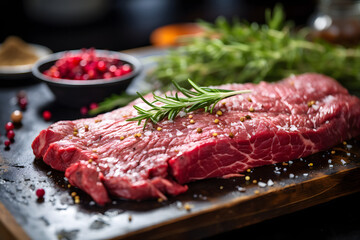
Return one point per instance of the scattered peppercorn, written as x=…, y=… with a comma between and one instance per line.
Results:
x=247, y=178
x=10, y=135
x=73, y=194
x=21, y=94
x=40, y=193
x=86, y=128
x=332, y=152
x=216, y=121
x=122, y=137
x=159, y=128
x=188, y=207
x=249, y=99
x=242, y=119
x=22, y=102
x=22, y=99
x=215, y=134
x=93, y=106
x=46, y=115
x=248, y=170
x=251, y=109
x=248, y=117
x=219, y=113
x=7, y=143
x=192, y=121
x=310, y=103
x=310, y=164
x=9, y=126
x=190, y=116
x=83, y=110
x=16, y=116
x=231, y=135
x=199, y=130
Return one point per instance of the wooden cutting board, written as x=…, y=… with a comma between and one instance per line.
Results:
x=209, y=207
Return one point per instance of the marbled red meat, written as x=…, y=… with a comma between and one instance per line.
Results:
x=293, y=118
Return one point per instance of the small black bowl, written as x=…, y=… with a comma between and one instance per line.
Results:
x=77, y=93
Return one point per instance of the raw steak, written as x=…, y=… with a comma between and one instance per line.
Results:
x=277, y=122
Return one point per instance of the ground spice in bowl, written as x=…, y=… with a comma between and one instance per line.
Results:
x=14, y=51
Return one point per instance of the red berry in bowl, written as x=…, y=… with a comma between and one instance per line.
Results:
x=86, y=65
x=101, y=66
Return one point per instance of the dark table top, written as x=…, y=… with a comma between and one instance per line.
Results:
x=336, y=219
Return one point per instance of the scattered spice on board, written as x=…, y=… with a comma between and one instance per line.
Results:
x=188, y=207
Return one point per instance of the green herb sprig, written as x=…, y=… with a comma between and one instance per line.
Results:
x=239, y=52
x=250, y=52
x=112, y=102
x=199, y=98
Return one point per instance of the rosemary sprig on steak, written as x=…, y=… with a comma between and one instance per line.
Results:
x=198, y=98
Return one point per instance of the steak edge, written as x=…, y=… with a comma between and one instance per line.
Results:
x=276, y=122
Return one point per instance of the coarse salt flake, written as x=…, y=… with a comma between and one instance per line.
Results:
x=270, y=182
x=179, y=133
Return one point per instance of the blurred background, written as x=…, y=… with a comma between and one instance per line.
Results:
x=124, y=24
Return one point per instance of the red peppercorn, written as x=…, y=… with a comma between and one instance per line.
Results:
x=86, y=65
x=40, y=193
x=23, y=103
x=7, y=143
x=21, y=94
x=126, y=68
x=47, y=115
x=101, y=66
x=93, y=106
x=83, y=110
x=112, y=68
x=107, y=75
x=9, y=126
x=10, y=134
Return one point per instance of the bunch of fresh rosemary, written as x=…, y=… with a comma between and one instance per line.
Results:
x=244, y=52
x=248, y=52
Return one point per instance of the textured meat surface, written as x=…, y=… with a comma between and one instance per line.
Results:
x=277, y=122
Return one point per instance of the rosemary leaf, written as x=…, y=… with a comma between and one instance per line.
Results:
x=198, y=98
